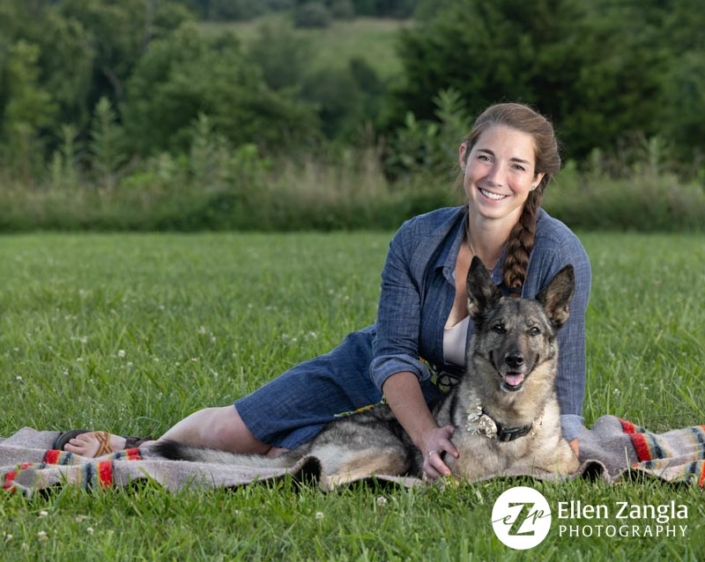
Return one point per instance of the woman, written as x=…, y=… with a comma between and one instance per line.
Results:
x=422, y=326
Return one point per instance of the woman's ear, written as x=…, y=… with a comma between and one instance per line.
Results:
x=537, y=180
x=463, y=155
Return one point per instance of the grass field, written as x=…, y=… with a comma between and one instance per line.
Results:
x=373, y=39
x=132, y=332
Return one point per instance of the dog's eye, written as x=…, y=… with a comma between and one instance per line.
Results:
x=534, y=331
x=499, y=329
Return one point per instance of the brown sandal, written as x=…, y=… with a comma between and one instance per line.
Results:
x=136, y=442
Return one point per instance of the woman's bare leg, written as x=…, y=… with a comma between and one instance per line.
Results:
x=215, y=428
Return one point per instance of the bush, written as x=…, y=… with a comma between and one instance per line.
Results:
x=642, y=202
x=214, y=185
x=423, y=147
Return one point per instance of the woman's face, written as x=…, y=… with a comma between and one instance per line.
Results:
x=499, y=172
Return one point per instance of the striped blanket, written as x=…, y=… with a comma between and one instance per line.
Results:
x=677, y=455
x=611, y=450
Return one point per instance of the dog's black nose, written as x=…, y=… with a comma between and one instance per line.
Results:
x=514, y=360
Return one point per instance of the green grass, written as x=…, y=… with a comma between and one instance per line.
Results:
x=373, y=39
x=132, y=332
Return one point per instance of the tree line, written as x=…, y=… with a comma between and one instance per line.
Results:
x=604, y=70
x=239, y=10
x=116, y=82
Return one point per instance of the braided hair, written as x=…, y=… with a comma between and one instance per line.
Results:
x=547, y=161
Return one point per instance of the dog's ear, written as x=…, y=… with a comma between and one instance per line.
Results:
x=483, y=294
x=556, y=296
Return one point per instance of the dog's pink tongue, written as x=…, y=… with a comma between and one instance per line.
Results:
x=514, y=379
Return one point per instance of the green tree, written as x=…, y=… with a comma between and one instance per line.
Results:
x=207, y=154
x=234, y=9
x=185, y=75
x=312, y=14
x=119, y=32
x=683, y=118
x=337, y=97
x=8, y=15
x=385, y=8
x=618, y=91
x=428, y=9
x=28, y=109
x=64, y=164
x=87, y=48
x=395, y=8
x=67, y=60
x=482, y=49
x=106, y=145
x=592, y=71
x=342, y=10
x=65, y=55
x=282, y=55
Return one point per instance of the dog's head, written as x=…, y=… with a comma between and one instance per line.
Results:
x=516, y=335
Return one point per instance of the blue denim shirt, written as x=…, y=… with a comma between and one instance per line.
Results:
x=418, y=290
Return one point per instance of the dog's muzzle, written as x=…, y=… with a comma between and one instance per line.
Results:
x=512, y=370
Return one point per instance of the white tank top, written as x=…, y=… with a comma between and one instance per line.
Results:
x=454, y=339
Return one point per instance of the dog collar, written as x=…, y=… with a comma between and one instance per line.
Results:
x=506, y=434
x=479, y=421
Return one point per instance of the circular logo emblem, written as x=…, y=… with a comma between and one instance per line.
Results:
x=521, y=518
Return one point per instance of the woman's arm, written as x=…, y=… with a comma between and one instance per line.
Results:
x=572, y=367
x=404, y=396
x=396, y=368
x=396, y=343
x=556, y=247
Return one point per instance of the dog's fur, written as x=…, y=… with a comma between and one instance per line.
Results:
x=504, y=408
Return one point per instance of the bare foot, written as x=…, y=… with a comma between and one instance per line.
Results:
x=95, y=444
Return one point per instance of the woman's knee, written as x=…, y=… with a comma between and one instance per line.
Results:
x=233, y=435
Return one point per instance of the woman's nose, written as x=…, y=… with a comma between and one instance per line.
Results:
x=496, y=174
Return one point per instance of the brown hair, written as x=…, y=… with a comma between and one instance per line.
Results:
x=547, y=161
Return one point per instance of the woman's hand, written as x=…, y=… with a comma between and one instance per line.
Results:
x=406, y=400
x=435, y=443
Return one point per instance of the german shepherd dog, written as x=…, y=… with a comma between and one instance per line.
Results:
x=504, y=408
